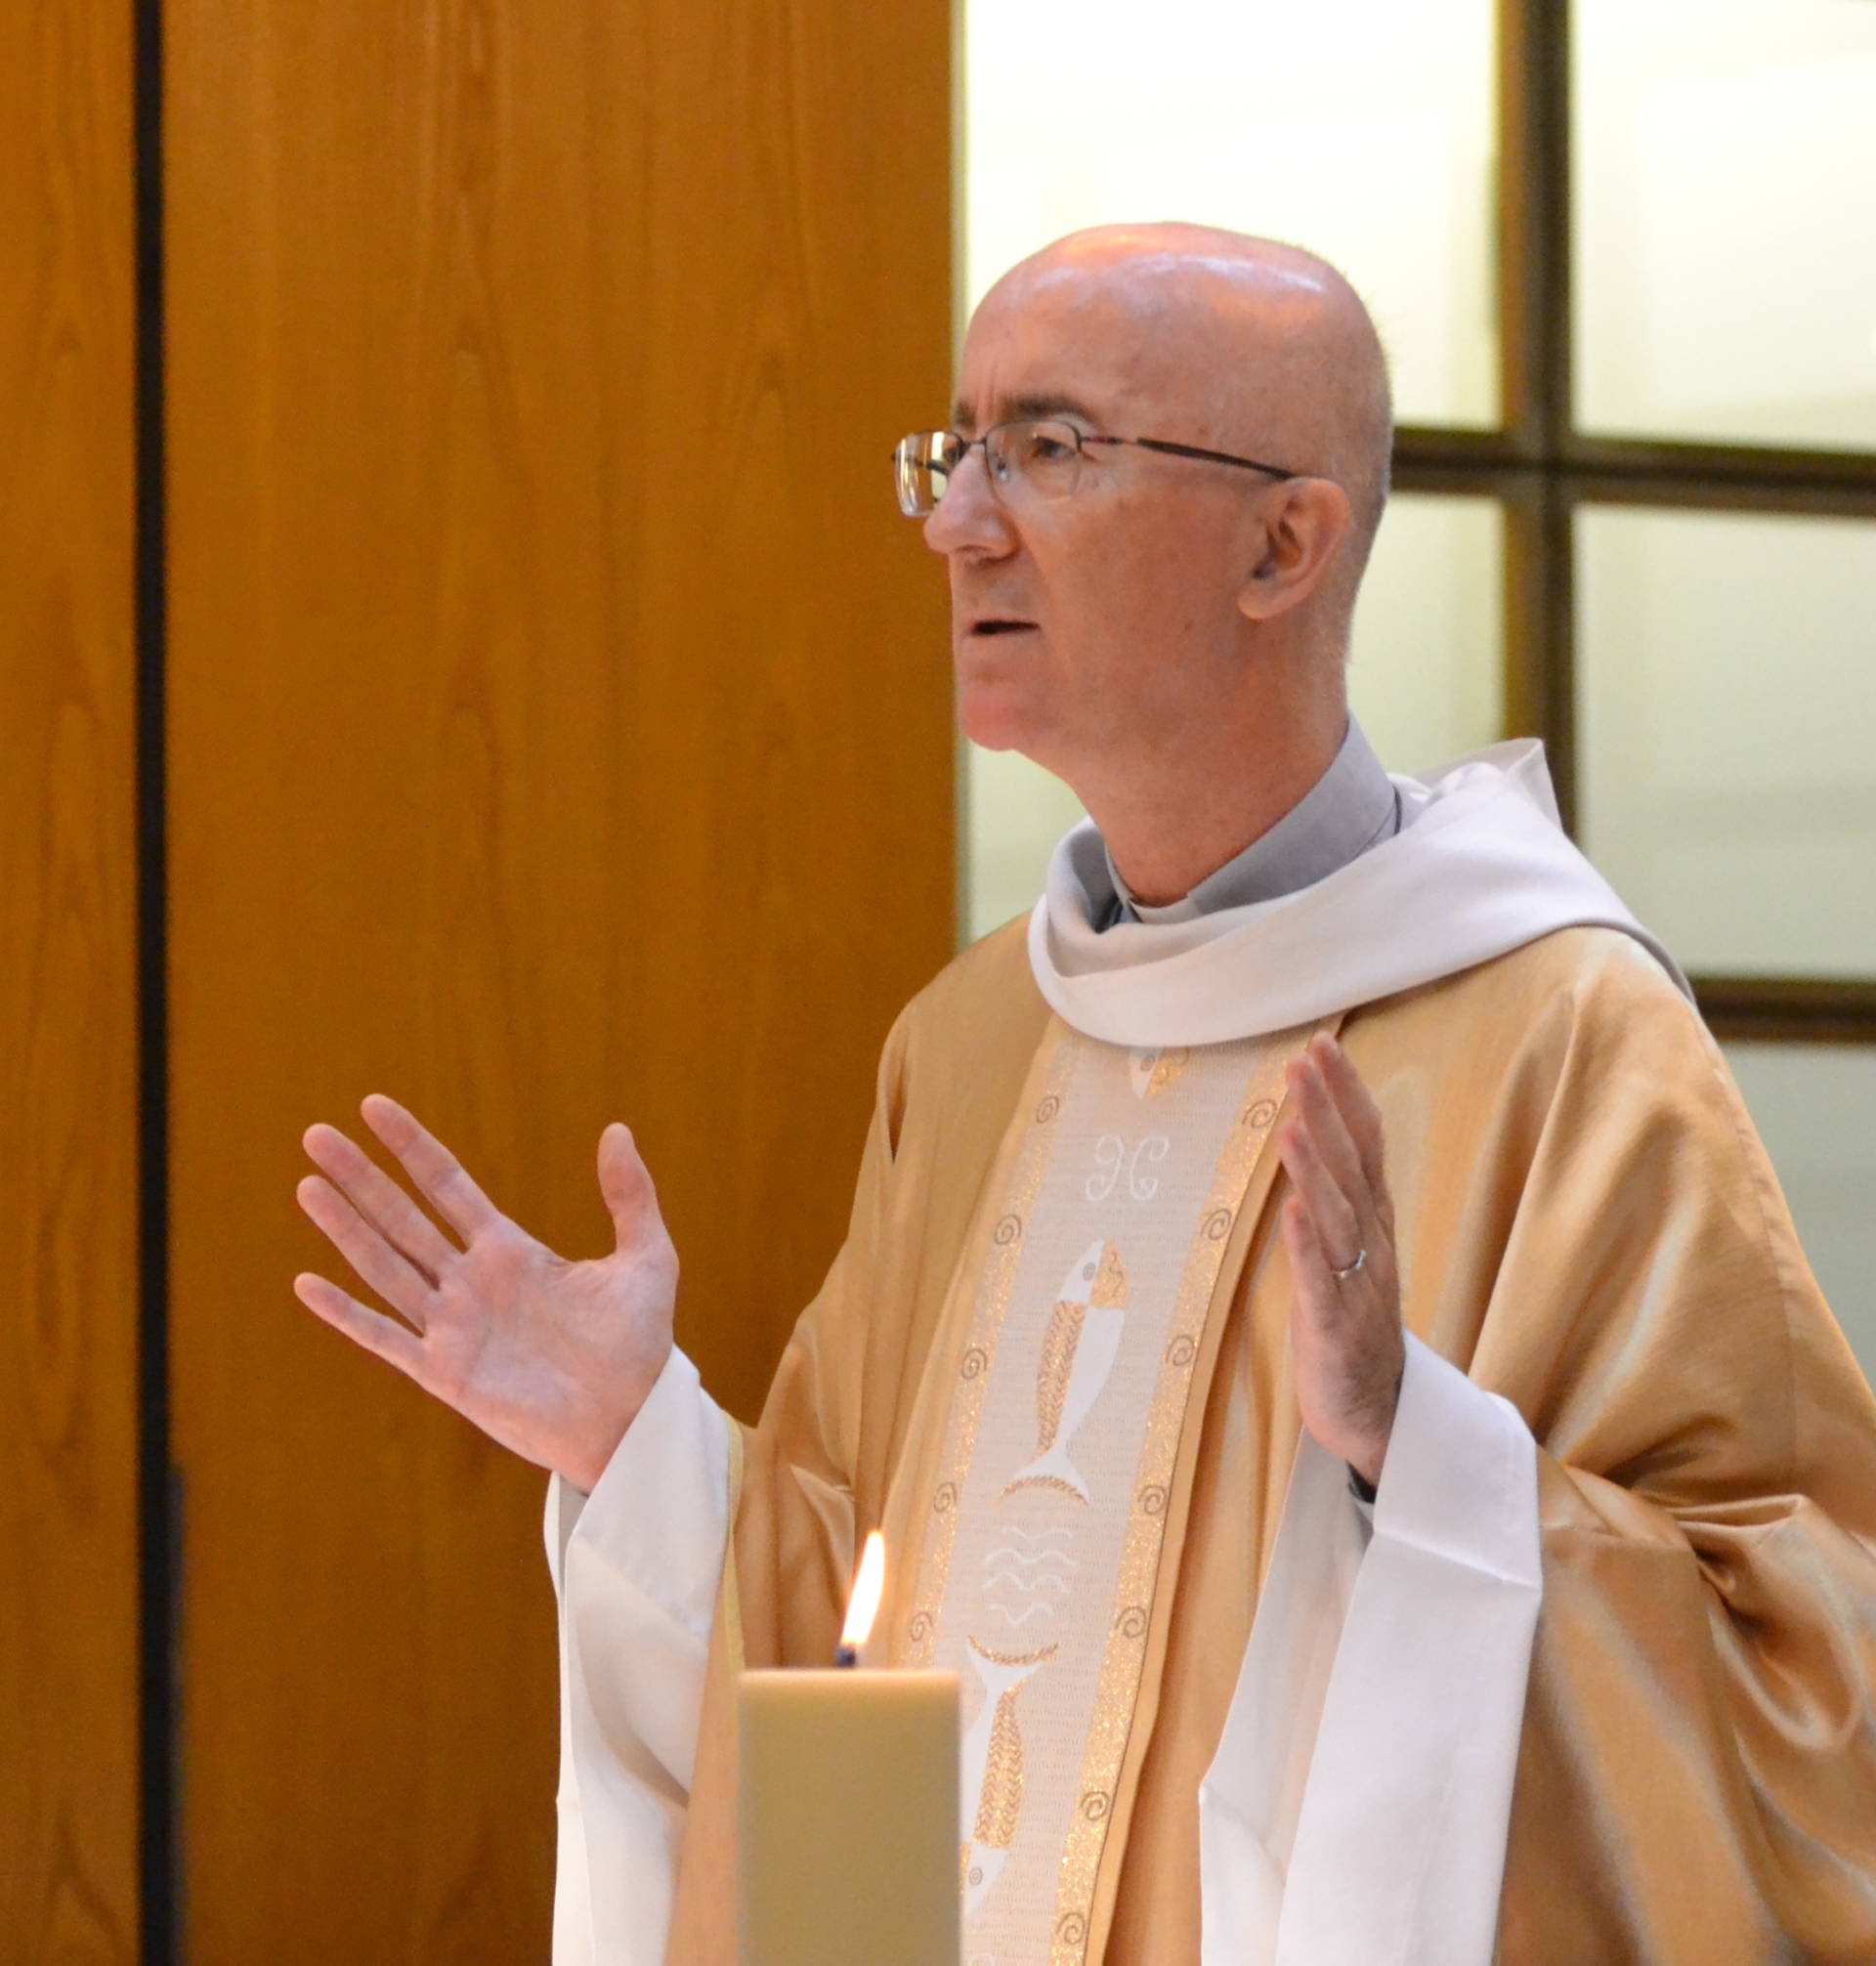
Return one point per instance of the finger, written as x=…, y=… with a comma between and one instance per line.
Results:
x=1332, y=1218
x=1309, y=1266
x=365, y=1248
x=1359, y=1112
x=626, y=1182
x=383, y=1337
x=1328, y=1127
x=1320, y=1303
x=379, y=1200
x=432, y=1166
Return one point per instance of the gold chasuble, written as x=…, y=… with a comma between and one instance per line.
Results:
x=1051, y=1362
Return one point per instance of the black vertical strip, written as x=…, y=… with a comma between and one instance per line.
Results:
x=1558, y=650
x=1550, y=49
x=1536, y=327
x=157, y=1525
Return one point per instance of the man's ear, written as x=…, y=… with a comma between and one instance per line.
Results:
x=1305, y=520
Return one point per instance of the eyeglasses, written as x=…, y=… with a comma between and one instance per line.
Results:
x=1039, y=458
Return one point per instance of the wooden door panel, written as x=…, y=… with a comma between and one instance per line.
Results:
x=69, y=1298
x=560, y=731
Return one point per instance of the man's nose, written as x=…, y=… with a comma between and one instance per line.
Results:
x=970, y=517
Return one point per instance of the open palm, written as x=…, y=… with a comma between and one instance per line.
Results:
x=551, y=1357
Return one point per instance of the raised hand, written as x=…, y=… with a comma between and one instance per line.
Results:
x=551, y=1359
x=1344, y=1324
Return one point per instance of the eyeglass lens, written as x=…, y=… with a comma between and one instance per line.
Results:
x=1042, y=457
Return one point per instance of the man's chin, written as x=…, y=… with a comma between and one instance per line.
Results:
x=996, y=716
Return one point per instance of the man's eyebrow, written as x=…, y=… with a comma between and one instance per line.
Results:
x=1016, y=408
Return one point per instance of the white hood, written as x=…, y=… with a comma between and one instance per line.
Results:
x=1479, y=866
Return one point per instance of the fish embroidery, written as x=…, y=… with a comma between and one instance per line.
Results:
x=1151, y=1072
x=1079, y=1350
x=991, y=1768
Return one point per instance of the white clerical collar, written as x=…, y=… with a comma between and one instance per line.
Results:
x=1479, y=866
x=1352, y=806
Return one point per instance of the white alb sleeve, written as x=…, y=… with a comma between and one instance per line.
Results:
x=636, y=1568
x=1356, y=1811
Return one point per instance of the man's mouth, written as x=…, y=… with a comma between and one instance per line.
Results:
x=998, y=626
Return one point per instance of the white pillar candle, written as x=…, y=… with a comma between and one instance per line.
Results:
x=848, y=1816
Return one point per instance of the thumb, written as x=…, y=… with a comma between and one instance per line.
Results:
x=625, y=1184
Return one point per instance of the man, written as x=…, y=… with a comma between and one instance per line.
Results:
x=1473, y=1555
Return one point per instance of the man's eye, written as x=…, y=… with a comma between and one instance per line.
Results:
x=1046, y=449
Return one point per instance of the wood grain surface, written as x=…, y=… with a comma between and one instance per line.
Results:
x=67, y=1006
x=561, y=731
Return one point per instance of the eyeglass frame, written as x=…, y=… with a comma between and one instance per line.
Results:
x=1083, y=439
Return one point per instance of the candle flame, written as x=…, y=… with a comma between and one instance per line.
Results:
x=863, y=1605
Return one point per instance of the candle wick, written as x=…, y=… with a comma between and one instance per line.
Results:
x=846, y=1655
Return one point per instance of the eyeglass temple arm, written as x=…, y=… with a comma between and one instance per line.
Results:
x=1193, y=450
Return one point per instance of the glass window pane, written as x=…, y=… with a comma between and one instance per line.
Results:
x=1726, y=187
x=1424, y=680
x=1013, y=812
x=1427, y=677
x=1726, y=697
x=1361, y=129
x=1814, y=1106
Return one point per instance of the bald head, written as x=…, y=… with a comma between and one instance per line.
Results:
x=1164, y=632
x=1269, y=348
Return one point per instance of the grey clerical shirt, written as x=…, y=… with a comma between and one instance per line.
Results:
x=1352, y=806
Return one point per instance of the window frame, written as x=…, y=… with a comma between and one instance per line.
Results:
x=1542, y=469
